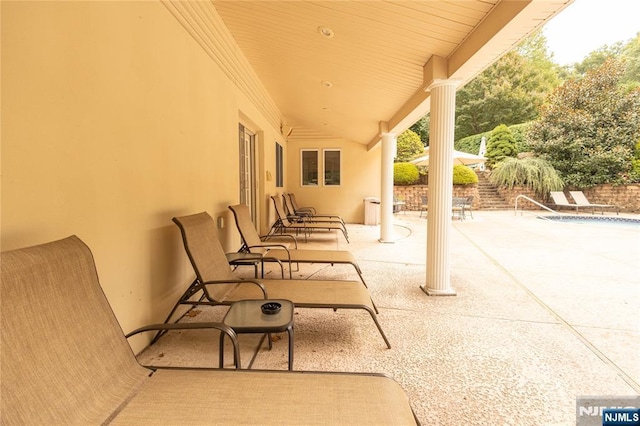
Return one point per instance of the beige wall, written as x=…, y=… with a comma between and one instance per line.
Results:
x=360, y=177
x=114, y=120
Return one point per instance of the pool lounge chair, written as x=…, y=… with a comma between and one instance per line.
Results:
x=560, y=200
x=215, y=284
x=581, y=201
x=309, y=217
x=306, y=226
x=65, y=361
x=290, y=206
x=252, y=242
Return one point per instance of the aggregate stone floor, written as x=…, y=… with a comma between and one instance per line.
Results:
x=544, y=312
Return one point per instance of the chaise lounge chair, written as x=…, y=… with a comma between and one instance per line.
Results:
x=65, y=361
x=309, y=217
x=283, y=223
x=560, y=200
x=274, y=252
x=581, y=201
x=215, y=284
x=308, y=211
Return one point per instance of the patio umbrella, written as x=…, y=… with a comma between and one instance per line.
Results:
x=482, y=151
x=459, y=157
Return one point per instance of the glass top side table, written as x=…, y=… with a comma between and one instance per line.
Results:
x=245, y=316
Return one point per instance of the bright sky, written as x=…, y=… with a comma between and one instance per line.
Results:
x=586, y=25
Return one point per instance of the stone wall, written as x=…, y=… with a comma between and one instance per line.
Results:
x=625, y=196
x=412, y=194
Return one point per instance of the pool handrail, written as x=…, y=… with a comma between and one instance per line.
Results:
x=534, y=202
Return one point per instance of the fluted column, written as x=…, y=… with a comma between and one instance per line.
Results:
x=386, y=187
x=442, y=122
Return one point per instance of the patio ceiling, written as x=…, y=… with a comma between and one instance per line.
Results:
x=368, y=67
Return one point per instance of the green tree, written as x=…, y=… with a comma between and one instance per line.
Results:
x=589, y=127
x=598, y=57
x=631, y=54
x=501, y=145
x=409, y=145
x=510, y=91
x=421, y=127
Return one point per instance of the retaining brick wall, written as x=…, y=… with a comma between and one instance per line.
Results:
x=412, y=194
x=625, y=196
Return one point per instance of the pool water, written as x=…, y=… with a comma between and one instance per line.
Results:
x=596, y=220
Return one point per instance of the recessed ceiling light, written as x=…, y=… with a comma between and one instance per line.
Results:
x=326, y=32
x=326, y=83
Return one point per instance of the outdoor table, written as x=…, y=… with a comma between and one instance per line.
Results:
x=245, y=316
x=242, y=258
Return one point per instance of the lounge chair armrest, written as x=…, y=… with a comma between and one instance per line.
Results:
x=259, y=284
x=195, y=326
x=282, y=246
x=266, y=237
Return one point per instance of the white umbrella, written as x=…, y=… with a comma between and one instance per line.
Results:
x=482, y=151
x=459, y=157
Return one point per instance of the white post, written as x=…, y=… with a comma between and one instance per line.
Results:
x=443, y=102
x=386, y=187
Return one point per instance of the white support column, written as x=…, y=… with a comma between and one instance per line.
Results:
x=443, y=103
x=386, y=187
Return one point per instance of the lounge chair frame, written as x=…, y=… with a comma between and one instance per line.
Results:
x=65, y=361
x=305, y=225
x=308, y=213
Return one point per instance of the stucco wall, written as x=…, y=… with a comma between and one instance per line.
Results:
x=360, y=178
x=114, y=120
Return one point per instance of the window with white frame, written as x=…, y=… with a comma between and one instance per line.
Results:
x=309, y=167
x=332, y=167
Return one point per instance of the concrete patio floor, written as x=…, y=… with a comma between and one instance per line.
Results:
x=544, y=312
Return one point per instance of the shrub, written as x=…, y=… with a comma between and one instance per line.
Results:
x=519, y=132
x=531, y=172
x=405, y=174
x=408, y=146
x=463, y=175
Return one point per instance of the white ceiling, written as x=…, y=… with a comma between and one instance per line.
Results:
x=374, y=61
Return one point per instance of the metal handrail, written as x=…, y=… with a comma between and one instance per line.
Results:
x=534, y=202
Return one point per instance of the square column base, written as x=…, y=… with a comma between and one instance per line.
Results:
x=436, y=292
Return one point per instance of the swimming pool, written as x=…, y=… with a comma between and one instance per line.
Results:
x=596, y=220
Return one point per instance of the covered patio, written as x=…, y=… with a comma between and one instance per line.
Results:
x=546, y=312
x=117, y=116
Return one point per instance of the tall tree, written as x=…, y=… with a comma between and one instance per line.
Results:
x=508, y=92
x=421, y=127
x=631, y=54
x=598, y=57
x=589, y=128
